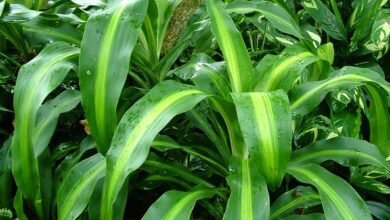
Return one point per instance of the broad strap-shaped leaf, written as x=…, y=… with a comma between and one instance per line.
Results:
x=233, y=47
x=339, y=199
x=379, y=118
x=249, y=199
x=108, y=41
x=265, y=122
x=284, y=70
x=277, y=15
x=328, y=21
x=48, y=116
x=288, y=202
x=136, y=131
x=344, y=150
x=77, y=187
x=35, y=81
x=174, y=204
x=307, y=96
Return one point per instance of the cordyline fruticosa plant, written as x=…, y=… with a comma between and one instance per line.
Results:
x=195, y=109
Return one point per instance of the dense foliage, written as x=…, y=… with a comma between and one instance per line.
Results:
x=191, y=109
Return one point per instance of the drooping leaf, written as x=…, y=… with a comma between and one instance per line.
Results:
x=299, y=197
x=174, y=204
x=344, y=150
x=233, y=47
x=249, y=197
x=284, y=70
x=339, y=199
x=48, y=116
x=77, y=187
x=278, y=16
x=265, y=122
x=308, y=95
x=108, y=41
x=136, y=131
x=35, y=81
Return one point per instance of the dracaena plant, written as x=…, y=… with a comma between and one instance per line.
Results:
x=231, y=132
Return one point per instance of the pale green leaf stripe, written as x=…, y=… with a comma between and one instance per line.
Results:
x=249, y=199
x=174, y=205
x=263, y=119
x=267, y=131
x=136, y=131
x=77, y=187
x=233, y=48
x=246, y=193
x=345, y=212
x=275, y=75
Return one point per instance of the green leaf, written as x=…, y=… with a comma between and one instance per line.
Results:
x=108, y=41
x=19, y=206
x=77, y=187
x=288, y=202
x=307, y=96
x=362, y=20
x=379, y=118
x=285, y=69
x=52, y=29
x=174, y=204
x=6, y=179
x=277, y=15
x=136, y=131
x=265, y=122
x=339, y=199
x=154, y=164
x=345, y=151
x=48, y=116
x=328, y=21
x=380, y=34
x=233, y=47
x=206, y=74
x=164, y=143
x=35, y=81
x=379, y=210
x=249, y=197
